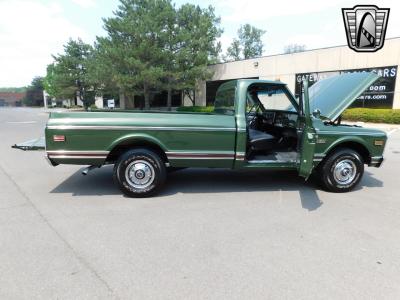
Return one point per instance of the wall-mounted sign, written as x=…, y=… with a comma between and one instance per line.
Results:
x=379, y=94
x=111, y=103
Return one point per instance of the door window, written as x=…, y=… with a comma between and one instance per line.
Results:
x=225, y=101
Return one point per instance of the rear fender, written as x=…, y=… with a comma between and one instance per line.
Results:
x=137, y=137
x=124, y=143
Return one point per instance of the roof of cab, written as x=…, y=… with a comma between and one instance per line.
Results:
x=262, y=81
x=233, y=82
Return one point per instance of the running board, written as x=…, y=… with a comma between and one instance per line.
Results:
x=270, y=161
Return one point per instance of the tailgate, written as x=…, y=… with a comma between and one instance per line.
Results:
x=35, y=144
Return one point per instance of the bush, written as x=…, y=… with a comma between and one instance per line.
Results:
x=206, y=109
x=373, y=115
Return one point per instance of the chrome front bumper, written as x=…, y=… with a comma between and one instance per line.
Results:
x=376, y=161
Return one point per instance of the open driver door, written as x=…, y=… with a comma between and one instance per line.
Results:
x=307, y=136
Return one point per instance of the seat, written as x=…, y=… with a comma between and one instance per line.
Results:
x=260, y=141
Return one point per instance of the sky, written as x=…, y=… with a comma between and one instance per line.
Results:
x=32, y=30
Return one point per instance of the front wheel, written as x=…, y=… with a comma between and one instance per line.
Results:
x=341, y=171
x=140, y=173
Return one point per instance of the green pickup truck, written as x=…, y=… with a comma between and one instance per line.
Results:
x=255, y=124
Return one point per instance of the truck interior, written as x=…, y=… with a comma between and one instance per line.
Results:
x=271, y=117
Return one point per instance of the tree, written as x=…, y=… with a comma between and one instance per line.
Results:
x=294, y=48
x=34, y=93
x=196, y=47
x=68, y=76
x=13, y=89
x=134, y=45
x=151, y=45
x=247, y=45
x=171, y=43
x=100, y=73
x=250, y=38
x=49, y=82
x=234, y=50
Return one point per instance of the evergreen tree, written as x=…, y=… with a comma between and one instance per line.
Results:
x=199, y=47
x=134, y=45
x=67, y=77
x=151, y=45
x=34, y=93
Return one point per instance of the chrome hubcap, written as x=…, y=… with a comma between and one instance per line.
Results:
x=139, y=174
x=345, y=171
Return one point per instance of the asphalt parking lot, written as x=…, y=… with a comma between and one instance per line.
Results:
x=211, y=234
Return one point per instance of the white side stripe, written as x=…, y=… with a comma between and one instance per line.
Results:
x=123, y=127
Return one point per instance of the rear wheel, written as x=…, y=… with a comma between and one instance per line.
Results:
x=341, y=171
x=140, y=173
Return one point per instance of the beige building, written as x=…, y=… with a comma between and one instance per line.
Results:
x=314, y=65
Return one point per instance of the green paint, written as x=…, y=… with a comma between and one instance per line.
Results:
x=210, y=132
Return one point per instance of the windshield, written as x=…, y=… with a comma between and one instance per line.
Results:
x=225, y=101
x=275, y=98
x=269, y=97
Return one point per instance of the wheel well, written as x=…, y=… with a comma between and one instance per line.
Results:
x=130, y=144
x=361, y=149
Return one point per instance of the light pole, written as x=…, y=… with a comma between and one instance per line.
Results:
x=45, y=99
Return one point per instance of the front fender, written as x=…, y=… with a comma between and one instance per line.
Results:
x=348, y=139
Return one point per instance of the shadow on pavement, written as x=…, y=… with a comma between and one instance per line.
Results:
x=221, y=181
x=187, y=181
x=99, y=182
x=369, y=181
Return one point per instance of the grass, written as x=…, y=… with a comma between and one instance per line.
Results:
x=373, y=115
x=207, y=109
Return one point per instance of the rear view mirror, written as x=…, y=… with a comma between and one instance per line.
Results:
x=316, y=113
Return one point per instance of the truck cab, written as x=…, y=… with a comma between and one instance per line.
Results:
x=267, y=120
x=277, y=131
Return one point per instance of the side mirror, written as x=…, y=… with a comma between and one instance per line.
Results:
x=316, y=113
